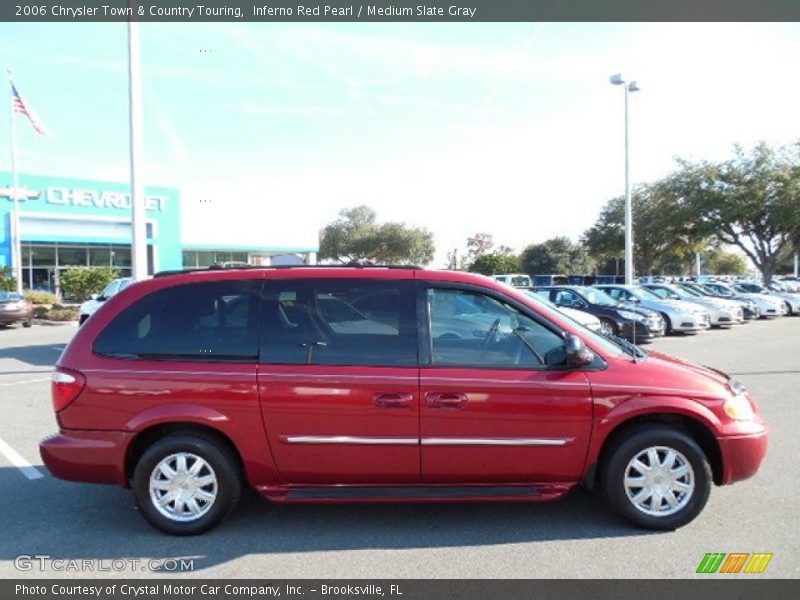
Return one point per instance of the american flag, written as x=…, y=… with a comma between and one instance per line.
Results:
x=19, y=106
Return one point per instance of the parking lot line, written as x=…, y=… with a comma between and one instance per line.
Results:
x=16, y=459
x=38, y=379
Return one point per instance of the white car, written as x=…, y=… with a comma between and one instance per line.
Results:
x=790, y=302
x=90, y=307
x=768, y=306
x=517, y=280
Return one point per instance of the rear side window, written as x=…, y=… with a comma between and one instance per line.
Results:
x=339, y=322
x=198, y=321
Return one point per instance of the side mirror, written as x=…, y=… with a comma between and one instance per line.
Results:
x=578, y=355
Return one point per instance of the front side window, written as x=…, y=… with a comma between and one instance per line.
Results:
x=339, y=322
x=568, y=298
x=496, y=335
x=618, y=294
x=197, y=321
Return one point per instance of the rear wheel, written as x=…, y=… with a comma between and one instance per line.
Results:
x=27, y=323
x=657, y=477
x=186, y=484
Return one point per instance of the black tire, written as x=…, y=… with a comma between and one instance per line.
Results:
x=611, y=325
x=27, y=323
x=789, y=312
x=225, y=467
x=667, y=324
x=628, y=447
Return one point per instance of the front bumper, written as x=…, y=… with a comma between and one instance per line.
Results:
x=690, y=323
x=742, y=454
x=90, y=456
x=642, y=330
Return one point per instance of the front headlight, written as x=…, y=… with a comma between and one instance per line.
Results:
x=631, y=316
x=738, y=407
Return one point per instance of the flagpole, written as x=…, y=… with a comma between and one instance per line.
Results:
x=16, y=256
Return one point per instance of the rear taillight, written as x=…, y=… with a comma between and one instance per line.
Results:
x=66, y=386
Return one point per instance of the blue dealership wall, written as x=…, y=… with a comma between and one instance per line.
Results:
x=67, y=210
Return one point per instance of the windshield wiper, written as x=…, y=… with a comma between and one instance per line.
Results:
x=628, y=347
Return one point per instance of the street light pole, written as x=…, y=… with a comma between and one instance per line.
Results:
x=628, y=87
x=138, y=215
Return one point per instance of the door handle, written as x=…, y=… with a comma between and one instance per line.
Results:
x=445, y=400
x=392, y=400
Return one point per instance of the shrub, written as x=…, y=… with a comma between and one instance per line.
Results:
x=40, y=297
x=82, y=282
x=62, y=314
x=40, y=312
x=8, y=282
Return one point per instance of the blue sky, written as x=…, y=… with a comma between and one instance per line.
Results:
x=511, y=129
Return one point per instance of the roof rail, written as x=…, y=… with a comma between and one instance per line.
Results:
x=224, y=267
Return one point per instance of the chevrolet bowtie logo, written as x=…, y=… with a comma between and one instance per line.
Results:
x=23, y=193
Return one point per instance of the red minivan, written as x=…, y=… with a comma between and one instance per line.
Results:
x=355, y=384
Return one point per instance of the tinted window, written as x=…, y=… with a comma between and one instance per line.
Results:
x=495, y=335
x=198, y=321
x=339, y=322
x=568, y=298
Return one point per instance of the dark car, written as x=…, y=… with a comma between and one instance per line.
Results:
x=633, y=323
x=15, y=309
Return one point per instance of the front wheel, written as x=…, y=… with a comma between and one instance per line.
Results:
x=657, y=477
x=608, y=328
x=186, y=484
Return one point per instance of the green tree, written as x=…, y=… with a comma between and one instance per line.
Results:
x=556, y=255
x=721, y=262
x=662, y=239
x=8, y=283
x=478, y=245
x=496, y=264
x=81, y=282
x=751, y=201
x=356, y=235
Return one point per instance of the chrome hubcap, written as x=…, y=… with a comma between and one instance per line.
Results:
x=183, y=487
x=659, y=481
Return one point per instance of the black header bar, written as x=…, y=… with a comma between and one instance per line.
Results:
x=334, y=11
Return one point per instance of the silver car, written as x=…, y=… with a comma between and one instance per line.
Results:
x=724, y=313
x=791, y=302
x=768, y=306
x=679, y=316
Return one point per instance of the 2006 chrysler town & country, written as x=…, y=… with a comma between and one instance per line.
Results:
x=382, y=384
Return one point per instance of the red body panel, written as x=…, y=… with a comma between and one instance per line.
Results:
x=264, y=409
x=312, y=400
x=551, y=409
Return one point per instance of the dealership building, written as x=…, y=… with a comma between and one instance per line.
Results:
x=67, y=222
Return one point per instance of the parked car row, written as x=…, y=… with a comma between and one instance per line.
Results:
x=642, y=312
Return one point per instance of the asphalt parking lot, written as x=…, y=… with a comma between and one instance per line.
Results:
x=575, y=537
